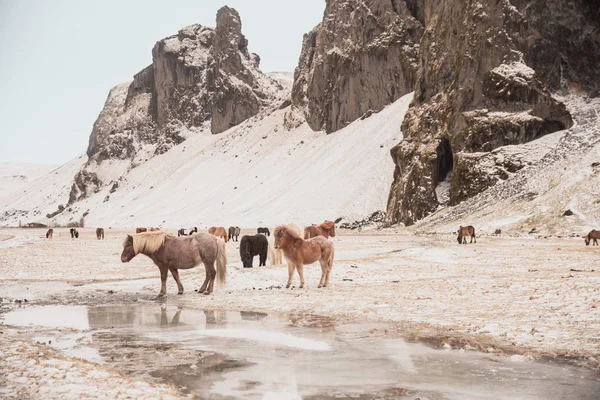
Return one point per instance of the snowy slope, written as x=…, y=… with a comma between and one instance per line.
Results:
x=14, y=176
x=254, y=173
x=31, y=203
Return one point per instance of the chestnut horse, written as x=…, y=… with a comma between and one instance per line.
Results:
x=49, y=233
x=594, y=235
x=218, y=231
x=325, y=229
x=465, y=231
x=171, y=253
x=100, y=233
x=140, y=230
x=299, y=252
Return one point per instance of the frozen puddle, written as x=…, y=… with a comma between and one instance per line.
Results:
x=255, y=355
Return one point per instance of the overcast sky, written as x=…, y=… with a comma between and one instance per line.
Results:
x=58, y=59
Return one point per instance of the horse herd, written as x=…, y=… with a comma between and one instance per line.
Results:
x=187, y=251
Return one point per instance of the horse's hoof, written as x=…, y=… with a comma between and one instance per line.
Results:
x=319, y=287
x=179, y=293
x=207, y=293
x=287, y=286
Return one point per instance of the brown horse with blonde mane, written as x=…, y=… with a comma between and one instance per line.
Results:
x=218, y=231
x=594, y=235
x=299, y=252
x=326, y=229
x=171, y=253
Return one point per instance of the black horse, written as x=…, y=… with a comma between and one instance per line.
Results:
x=74, y=233
x=264, y=231
x=234, y=233
x=251, y=246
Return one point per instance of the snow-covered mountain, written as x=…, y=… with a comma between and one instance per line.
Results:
x=14, y=176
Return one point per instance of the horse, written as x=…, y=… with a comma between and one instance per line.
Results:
x=593, y=235
x=140, y=230
x=100, y=233
x=181, y=232
x=49, y=233
x=299, y=252
x=218, y=231
x=153, y=229
x=264, y=231
x=192, y=231
x=74, y=233
x=251, y=246
x=465, y=231
x=171, y=253
x=234, y=232
x=326, y=229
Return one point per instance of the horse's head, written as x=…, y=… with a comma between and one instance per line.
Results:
x=128, y=252
x=459, y=238
x=279, y=234
x=330, y=227
x=587, y=239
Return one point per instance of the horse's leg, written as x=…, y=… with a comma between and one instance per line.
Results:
x=262, y=259
x=206, y=280
x=210, y=269
x=175, y=274
x=291, y=268
x=323, y=273
x=163, y=280
x=300, y=269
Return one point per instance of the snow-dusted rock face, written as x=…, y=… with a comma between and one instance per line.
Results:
x=486, y=69
x=360, y=58
x=199, y=76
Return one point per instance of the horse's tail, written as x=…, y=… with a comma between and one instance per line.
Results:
x=221, y=262
x=274, y=256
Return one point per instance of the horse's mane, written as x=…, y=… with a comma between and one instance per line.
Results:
x=147, y=242
x=327, y=225
x=291, y=230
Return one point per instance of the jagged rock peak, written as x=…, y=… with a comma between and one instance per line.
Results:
x=199, y=76
x=360, y=58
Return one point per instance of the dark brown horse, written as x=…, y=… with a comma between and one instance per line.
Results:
x=299, y=252
x=100, y=233
x=251, y=246
x=594, y=235
x=326, y=229
x=234, y=232
x=171, y=253
x=218, y=231
x=464, y=232
x=264, y=231
x=74, y=233
x=140, y=230
x=49, y=233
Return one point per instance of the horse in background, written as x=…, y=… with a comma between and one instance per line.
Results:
x=299, y=252
x=264, y=231
x=172, y=253
x=594, y=235
x=74, y=233
x=181, y=232
x=234, y=232
x=49, y=233
x=251, y=246
x=140, y=230
x=326, y=229
x=100, y=233
x=193, y=230
x=465, y=231
x=218, y=231
x=153, y=229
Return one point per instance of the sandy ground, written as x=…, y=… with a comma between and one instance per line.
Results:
x=538, y=297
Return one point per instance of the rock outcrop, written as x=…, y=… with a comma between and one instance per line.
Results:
x=486, y=69
x=198, y=77
x=360, y=58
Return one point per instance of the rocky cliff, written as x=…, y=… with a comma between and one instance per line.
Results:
x=360, y=58
x=486, y=77
x=198, y=77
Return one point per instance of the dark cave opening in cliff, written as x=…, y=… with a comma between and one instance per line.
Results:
x=443, y=171
x=444, y=162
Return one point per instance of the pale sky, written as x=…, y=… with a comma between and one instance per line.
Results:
x=58, y=59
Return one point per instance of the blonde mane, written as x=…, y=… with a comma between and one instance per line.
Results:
x=147, y=242
x=290, y=229
x=327, y=225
